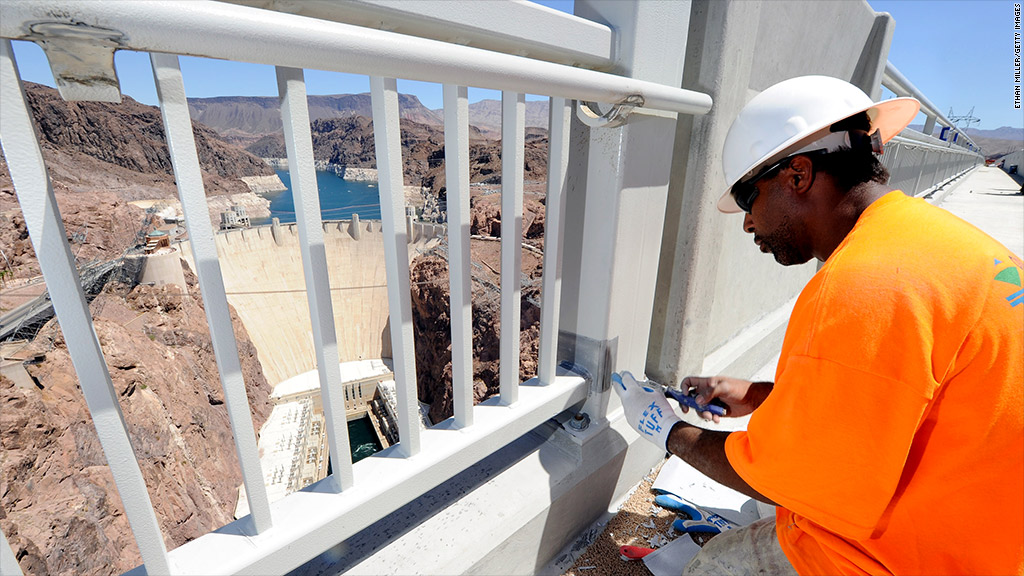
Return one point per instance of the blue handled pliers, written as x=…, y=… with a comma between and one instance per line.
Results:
x=699, y=522
x=684, y=398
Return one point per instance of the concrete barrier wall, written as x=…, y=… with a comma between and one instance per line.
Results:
x=713, y=282
x=264, y=281
x=1013, y=159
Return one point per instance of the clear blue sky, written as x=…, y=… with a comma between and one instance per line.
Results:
x=959, y=53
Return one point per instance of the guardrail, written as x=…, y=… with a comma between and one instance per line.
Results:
x=896, y=82
x=278, y=537
x=917, y=161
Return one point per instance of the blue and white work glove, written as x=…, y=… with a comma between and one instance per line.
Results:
x=646, y=408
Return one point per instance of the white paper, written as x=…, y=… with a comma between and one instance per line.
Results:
x=669, y=560
x=679, y=478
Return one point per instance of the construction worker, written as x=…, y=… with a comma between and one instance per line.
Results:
x=892, y=440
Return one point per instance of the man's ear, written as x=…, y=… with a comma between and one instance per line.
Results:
x=800, y=174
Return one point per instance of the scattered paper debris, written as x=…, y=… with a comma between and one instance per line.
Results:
x=656, y=510
x=657, y=541
x=679, y=478
x=669, y=560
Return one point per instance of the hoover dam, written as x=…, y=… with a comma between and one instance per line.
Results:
x=264, y=282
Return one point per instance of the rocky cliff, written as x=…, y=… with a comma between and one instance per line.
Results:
x=99, y=225
x=242, y=117
x=432, y=314
x=97, y=145
x=60, y=509
x=58, y=504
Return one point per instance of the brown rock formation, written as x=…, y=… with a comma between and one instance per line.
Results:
x=349, y=141
x=60, y=509
x=431, y=312
x=100, y=225
x=121, y=147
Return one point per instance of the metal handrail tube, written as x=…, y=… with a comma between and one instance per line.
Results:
x=894, y=78
x=224, y=31
x=317, y=518
x=918, y=143
x=515, y=27
x=299, y=147
x=456, y=155
x=513, y=129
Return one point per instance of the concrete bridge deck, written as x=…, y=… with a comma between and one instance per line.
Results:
x=991, y=200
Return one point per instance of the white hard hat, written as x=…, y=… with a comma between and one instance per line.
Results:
x=795, y=116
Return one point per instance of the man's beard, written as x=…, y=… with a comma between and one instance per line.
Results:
x=782, y=244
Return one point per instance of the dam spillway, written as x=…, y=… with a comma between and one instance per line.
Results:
x=264, y=282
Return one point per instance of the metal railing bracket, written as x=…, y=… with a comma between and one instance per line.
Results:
x=81, y=58
x=615, y=116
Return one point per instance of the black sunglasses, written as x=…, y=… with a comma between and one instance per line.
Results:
x=746, y=192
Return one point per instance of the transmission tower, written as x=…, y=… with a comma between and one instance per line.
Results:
x=967, y=119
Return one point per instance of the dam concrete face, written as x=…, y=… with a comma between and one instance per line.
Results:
x=264, y=281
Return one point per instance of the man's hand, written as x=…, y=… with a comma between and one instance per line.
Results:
x=646, y=408
x=741, y=396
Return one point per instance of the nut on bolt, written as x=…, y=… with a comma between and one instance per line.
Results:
x=580, y=421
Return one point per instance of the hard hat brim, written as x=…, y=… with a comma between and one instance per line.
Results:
x=889, y=117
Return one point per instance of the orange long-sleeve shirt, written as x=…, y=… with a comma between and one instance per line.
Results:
x=893, y=439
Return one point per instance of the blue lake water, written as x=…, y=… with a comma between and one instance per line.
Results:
x=339, y=199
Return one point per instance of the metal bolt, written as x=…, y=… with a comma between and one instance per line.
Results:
x=580, y=421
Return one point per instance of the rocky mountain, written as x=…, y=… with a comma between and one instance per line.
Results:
x=236, y=116
x=58, y=505
x=60, y=509
x=1002, y=133
x=97, y=145
x=432, y=315
x=486, y=116
x=245, y=119
x=993, y=143
x=349, y=141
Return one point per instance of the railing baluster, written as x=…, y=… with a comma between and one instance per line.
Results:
x=513, y=126
x=49, y=240
x=298, y=140
x=456, y=158
x=8, y=563
x=559, y=115
x=387, y=136
x=182, y=146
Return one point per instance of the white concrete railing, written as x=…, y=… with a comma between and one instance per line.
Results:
x=899, y=85
x=917, y=161
x=278, y=537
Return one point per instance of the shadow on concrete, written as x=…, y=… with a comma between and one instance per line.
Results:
x=378, y=535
